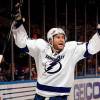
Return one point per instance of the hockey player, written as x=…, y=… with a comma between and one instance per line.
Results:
x=55, y=59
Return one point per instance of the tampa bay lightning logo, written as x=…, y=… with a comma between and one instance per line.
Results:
x=53, y=67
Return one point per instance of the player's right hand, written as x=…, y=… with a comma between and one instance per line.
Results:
x=17, y=16
x=16, y=13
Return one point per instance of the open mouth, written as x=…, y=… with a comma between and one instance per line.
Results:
x=61, y=44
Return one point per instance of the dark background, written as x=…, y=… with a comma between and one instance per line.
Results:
x=57, y=13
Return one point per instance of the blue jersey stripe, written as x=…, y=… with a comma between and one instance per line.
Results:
x=25, y=49
x=53, y=89
x=87, y=54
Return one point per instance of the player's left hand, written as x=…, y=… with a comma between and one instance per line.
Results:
x=98, y=28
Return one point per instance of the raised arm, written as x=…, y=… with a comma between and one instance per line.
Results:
x=94, y=43
x=20, y=35
x=17, y=28
x=87, y=49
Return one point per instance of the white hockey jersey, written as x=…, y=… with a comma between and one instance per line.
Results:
x=55, y=71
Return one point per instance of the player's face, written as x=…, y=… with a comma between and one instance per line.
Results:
x=58, y=42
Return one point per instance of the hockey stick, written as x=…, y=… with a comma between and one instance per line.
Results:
x=14, y=15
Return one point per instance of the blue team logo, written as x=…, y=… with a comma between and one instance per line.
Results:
x=53, y=67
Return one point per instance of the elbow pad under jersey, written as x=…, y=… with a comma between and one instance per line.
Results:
x=20, y=36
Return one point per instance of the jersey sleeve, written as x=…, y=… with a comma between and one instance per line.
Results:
x=94, y=44
x=90, y=48
x=80, y=50
x=20, y=36
x=31, y=46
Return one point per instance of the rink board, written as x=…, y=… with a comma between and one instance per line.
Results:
x=17, y=90
x=84, y=89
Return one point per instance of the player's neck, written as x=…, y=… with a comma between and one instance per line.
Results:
x=55, y=51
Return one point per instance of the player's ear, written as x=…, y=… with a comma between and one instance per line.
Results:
x=50, y=41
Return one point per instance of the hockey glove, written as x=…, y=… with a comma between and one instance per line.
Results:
x=17, y=15
x=98, y=29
